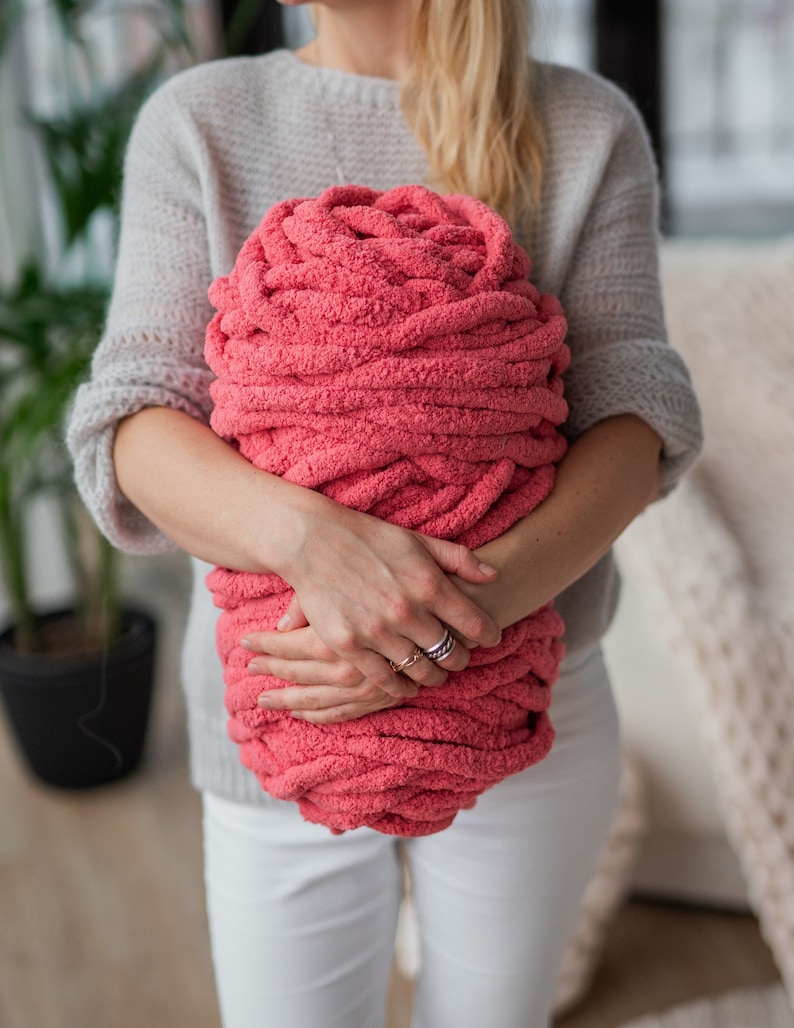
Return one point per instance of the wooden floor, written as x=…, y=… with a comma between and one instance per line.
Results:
x=102, y=922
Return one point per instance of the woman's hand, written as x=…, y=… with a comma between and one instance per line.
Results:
x=373, y=592
x=325, y=689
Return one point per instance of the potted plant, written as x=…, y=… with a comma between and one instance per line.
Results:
x=76, y=683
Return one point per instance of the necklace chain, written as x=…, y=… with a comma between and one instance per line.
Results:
x=341, y=178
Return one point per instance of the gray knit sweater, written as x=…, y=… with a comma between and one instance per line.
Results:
x=218, y=145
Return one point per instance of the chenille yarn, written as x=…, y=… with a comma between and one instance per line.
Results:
x=387, y=349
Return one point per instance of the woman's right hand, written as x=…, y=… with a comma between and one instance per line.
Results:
x=373, y=592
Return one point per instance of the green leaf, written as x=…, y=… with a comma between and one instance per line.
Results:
x=84, y=150
x=51, y=333
x=39, y=318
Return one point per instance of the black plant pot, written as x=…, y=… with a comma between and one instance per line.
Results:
x=81, y=721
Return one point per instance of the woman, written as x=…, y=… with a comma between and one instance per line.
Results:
x=390, y=92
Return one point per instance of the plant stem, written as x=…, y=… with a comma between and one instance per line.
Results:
x=13, y=561
x=94, y=564
x=109, y=590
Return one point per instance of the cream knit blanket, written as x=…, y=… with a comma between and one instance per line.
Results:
x=716, y=559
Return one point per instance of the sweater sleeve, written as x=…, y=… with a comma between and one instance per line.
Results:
x=152, y=350
x=621, y=361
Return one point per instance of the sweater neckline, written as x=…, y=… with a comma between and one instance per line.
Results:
x=341, y=84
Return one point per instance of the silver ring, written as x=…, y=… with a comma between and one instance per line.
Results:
x=447, y=652
x=442, y=649
x=403, y=665
x=433, y=651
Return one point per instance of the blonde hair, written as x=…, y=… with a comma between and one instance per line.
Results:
x=467, y=96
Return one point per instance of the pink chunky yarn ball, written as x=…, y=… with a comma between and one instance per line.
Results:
x=389, y=350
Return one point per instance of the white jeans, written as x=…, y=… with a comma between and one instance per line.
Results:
x=303, y=922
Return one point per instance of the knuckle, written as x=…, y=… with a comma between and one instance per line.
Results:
x=334, y=716
x=318, y=650
x=459, y=554
x=401, y=609
x=476, y=626
x=322, y=652
x=342, y=639
x=424, y=672
x=349, y=676
x=429, y=589
x=382, y=679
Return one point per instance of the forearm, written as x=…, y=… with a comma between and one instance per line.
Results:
x=606, y=479
x=202, y=494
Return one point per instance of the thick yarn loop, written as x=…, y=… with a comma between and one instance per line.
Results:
x=388, y=350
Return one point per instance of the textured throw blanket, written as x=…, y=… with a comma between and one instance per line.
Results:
x=388, y=350
x=714, y=563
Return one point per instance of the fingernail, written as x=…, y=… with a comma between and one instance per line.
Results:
x=284, y=624
x=246, y=643
x=254, y=668
x=486, y=569
x=264, y=702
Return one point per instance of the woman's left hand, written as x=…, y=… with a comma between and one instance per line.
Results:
x=324, y=688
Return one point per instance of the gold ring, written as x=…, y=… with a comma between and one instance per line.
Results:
x=408, y=662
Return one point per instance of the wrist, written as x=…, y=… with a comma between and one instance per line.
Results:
x=281, y=541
